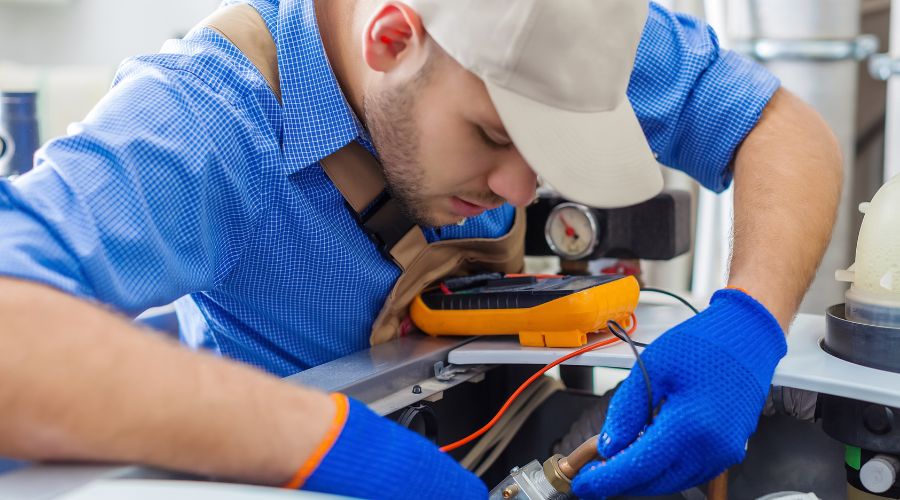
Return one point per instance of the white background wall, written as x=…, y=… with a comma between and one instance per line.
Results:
x=92, y=32
x=68, y=50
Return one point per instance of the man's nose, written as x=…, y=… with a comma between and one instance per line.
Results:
x=513, y=180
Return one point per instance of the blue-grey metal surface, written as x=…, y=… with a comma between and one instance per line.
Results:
x=369, y=376
x=384, y=369
x=44, y=482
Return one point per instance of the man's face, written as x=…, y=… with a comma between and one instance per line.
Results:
x=444, y=150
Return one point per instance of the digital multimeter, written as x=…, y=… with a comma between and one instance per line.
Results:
x=544, y=311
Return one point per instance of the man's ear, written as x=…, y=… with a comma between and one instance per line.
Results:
x=393, y=34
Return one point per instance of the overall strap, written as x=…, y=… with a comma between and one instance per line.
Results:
x=352, y=169
x=359, y=178
x=245, y=28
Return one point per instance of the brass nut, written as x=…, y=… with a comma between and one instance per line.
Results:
x=555, y=476
x=510, y=491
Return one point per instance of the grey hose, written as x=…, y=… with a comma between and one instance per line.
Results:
x=496, y=440
x=796, y=403
x=792, y=402
x=588, y=425
x=514, y=425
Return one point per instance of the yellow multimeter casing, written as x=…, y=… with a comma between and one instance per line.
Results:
x=555, y=311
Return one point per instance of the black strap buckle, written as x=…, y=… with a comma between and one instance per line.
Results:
x=385, y=222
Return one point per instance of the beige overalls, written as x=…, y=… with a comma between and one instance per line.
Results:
x=360, y=179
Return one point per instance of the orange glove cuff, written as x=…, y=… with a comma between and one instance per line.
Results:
x=342, y=407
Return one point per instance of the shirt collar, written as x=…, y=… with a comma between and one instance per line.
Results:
x=317, y=118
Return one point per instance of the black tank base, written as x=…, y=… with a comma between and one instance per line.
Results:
x=868, y=345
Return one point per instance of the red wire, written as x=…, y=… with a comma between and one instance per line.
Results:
x=480, y=432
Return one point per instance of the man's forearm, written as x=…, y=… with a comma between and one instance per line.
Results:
x=82, y=383
x=788, y=176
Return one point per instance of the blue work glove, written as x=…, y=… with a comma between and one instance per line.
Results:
x=367, y=456
x=712, y=374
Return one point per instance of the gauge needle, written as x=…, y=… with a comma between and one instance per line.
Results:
x=570, y=231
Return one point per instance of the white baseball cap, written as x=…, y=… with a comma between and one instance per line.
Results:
x=557, y=71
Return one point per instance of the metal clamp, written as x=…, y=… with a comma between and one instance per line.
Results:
x=768, y=49
x=884, y=66
x=448, y=372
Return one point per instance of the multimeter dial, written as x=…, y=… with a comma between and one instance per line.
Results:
x=572, y=231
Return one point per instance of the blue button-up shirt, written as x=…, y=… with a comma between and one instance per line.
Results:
x=188, y=181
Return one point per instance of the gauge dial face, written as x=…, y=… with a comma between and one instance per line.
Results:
x=571, y=231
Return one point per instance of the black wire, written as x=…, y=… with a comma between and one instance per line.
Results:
x=616, y=329
x=674, y=296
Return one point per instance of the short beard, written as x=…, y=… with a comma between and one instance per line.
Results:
x=391, y=123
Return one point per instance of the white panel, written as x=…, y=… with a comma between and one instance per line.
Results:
x=137, y=489
x=93, y=32
x=806, y=365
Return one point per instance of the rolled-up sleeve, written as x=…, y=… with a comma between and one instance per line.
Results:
x=151, y=197
x=695, y=101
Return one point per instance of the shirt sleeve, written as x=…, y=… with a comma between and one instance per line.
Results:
x=152, y=197
x=695, y=101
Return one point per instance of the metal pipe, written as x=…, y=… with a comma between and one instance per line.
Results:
x=573, y=463
x=892, y=125
x=829, y=86
x=718, y=487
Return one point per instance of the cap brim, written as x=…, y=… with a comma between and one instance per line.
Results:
x=600, y=159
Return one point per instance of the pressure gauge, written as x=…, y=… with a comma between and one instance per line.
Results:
x=572, y=231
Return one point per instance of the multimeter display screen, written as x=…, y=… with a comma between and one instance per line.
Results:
x=512, y=293
x=576, y=284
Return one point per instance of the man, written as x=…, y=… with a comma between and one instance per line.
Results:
x=193, y=179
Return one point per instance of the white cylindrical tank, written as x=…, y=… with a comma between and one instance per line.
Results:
x=874, y=294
